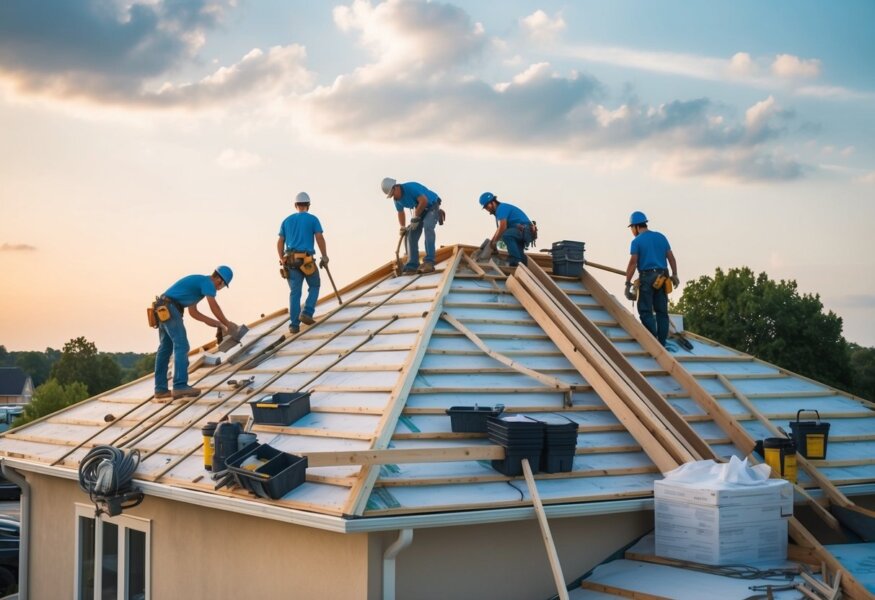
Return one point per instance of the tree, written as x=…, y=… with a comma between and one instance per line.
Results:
x=80, y=361
x=36, y=364
x=770, y=320
x=863, y=364
x=51, y=397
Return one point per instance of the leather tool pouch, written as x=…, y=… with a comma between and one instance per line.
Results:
x=302, y=261
x=162, y=312
x=152, y=317
x=660, y=282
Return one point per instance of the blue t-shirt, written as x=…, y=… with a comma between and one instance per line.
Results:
x=513, y=215
x=651, y=248
x=298, y=231
x=191, y=289
x=410, y=191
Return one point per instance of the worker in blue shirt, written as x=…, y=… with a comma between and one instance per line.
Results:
x=425, y=207
x=651, y=255
x=513, y=227
x=172, y=338
x=296, y=252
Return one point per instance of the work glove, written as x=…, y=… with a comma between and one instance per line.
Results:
x=402, y=231
x=675, y=281
x=629, y=293
x=220, y=335
x=415, y=222
x=232, y=329
x=323, y=262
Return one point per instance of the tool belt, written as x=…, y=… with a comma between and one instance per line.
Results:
x=663, y=281
x=159, y=312
x=303, y=261
x=528, y=233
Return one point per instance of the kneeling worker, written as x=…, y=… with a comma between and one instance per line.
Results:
x=514, y=228
x=295, y=248
x=172, y=339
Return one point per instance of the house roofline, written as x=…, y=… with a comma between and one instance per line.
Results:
x=391, y=523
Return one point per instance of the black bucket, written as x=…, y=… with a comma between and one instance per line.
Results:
x=225, y=443
x=811, y=437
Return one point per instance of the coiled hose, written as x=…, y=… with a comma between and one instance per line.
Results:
x=107, y=471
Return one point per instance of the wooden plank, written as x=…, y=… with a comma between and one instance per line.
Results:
x=403, y=455
x=464, y=479
x=357, y=501
x=621, y=592
x=663, y=422
x=688, y=382
x=555, y=566
x=545, y=379
x=628, y=419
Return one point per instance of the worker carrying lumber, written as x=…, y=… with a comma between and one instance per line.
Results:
x=649, y=253
x=172, y=338
x=513, y=227
x=296, y=252
x=426, y=211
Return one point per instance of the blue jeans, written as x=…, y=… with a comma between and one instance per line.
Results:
x=652, y=301
x=172, y=339
x=296, y=287
x=429, y=221
x=516, y=246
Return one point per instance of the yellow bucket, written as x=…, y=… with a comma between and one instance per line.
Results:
x=780, y=454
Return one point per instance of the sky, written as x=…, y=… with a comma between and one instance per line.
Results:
x=145, y=140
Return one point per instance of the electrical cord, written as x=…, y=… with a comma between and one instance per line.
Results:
x=106, y=475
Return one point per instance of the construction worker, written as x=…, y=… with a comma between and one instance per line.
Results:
x=172, y=339
x=296, y=252
x=514, y=228
x=649, y=253
x=425, y=206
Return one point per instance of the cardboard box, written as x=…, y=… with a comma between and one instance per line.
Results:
x=722, y=525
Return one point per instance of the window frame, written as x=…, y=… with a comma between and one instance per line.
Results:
x=124, y=523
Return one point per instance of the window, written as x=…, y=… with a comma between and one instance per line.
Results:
x=112, y=557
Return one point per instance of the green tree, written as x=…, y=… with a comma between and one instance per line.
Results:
x=770, y=320
x=863, y=365
x=80, y=361
x=51, y=397
x=36, y=364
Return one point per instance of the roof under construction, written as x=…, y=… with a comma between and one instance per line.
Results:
x=385, y=365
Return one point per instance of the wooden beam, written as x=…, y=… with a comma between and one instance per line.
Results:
x=552, y=555
x=545, y=379
x=402, y=455
x=357, y=501
x=628, y=419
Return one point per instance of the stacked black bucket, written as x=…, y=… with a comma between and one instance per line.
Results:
x=548, y=443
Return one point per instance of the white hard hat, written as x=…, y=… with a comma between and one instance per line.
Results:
x=302, y=198
x=387, y=185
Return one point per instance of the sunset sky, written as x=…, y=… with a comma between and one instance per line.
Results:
x=144, y=141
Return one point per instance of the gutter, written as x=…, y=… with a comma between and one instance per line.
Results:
x=339, y=524
x=24, y=531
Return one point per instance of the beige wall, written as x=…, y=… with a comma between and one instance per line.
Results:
x=509, y=560
x=200, y=552
x=206, y=553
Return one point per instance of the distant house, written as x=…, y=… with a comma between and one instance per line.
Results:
x=16, y=386
x=398, y=502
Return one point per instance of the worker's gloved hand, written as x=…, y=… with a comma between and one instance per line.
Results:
x=675, y=281
x=415, y=223
x=220, y=335
x=402, y=231
x=629, y=293
x=233, y=329
x=323, y=262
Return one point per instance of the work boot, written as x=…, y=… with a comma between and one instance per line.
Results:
x=294, y=328
x=426, y=267
x=409, y=271
x=186, y=392
x=307, y=319
x=162, y=397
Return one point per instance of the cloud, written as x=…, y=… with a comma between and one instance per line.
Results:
x=124, y=53
x=737, y=165
x=788, y=66
x=868, y=178
x=6, y=247
x=411, y=36
x=237, y=159
x=540, y=27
